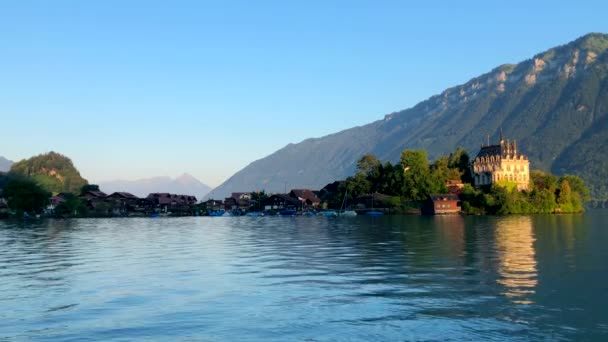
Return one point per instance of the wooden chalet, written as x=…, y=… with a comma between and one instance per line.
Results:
x=166, y=202
x=306, y=197
x=280, y=202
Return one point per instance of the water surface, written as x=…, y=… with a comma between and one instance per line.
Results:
x=525, y=278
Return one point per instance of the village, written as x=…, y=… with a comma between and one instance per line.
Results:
x=497, y=181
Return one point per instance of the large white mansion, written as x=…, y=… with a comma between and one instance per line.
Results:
x=501, y=162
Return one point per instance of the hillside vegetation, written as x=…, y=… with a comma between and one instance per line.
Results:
x=53, y=171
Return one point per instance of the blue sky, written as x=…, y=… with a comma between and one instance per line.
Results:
x=133, y=89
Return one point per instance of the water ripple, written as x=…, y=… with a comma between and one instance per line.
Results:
x=304, y=278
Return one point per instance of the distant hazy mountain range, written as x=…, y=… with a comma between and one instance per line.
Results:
x=5, y=164
x=182, y=185
x=555, y=104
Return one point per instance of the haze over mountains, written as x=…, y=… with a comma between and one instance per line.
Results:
x=184, y=184
x=555, y=105
x=5, y=164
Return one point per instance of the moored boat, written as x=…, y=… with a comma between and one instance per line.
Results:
x=287, y=212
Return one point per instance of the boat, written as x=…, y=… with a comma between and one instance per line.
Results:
x=329, y=213
x=287, y=212
x=255, y=214
x=374, y=213
x=215, y=213
x=343, y=211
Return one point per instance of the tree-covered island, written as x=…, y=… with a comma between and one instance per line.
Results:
x=409, y=183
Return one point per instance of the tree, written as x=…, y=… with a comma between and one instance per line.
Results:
x=53, y=171
x=89, y=187
x=416, y=174
x=542, y=180
x=25, y=196
x=369, y=166
x=441, y=172
x=460, y=160
x=257, y=197
x=577, y=185
x=565, y=193
x=71, y=206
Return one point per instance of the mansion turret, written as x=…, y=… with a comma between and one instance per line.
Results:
x=501, y=162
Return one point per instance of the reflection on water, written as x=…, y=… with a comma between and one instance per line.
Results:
x=282, y=279
x=517, y=261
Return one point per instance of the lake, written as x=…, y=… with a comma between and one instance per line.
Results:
x=521, y=278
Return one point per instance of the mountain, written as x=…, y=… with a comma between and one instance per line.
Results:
x=184, y=184
x=5, y=164
x=555, y=105
x=53, y=171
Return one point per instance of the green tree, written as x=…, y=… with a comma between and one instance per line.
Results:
x=257, y=197
x=25, y=196
x=577, y=185
x=369, y=166
x=71, y=206
x=416, y=174
x=89, y=187
x=542, y=180
x=53, y=171
x=565, y=193
x=461, y=161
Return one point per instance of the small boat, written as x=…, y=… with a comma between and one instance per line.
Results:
x=343, y=211
x=287, y=212
x=374, y=213
x=216, y=213
x=329, y=213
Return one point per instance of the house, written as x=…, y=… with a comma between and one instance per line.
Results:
x=123, y=202
x=93, y=195
x=441, y=204
x=501, y=163
x=55, y=201
x=160, y=201
x=166, y=202
x=242, y=199
x=307, y=197
x=230, y=204
x=123, y=196
x=93, y=199
x=214, y=205
x=281, y=201
x=332, y=188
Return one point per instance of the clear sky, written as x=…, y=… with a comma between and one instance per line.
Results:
x=133, y=89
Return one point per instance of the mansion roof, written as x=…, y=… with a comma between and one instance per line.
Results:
x=503, y=150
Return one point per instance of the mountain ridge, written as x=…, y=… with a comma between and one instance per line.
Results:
x=185, y=184
x=554, y=104
x=5, y=164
